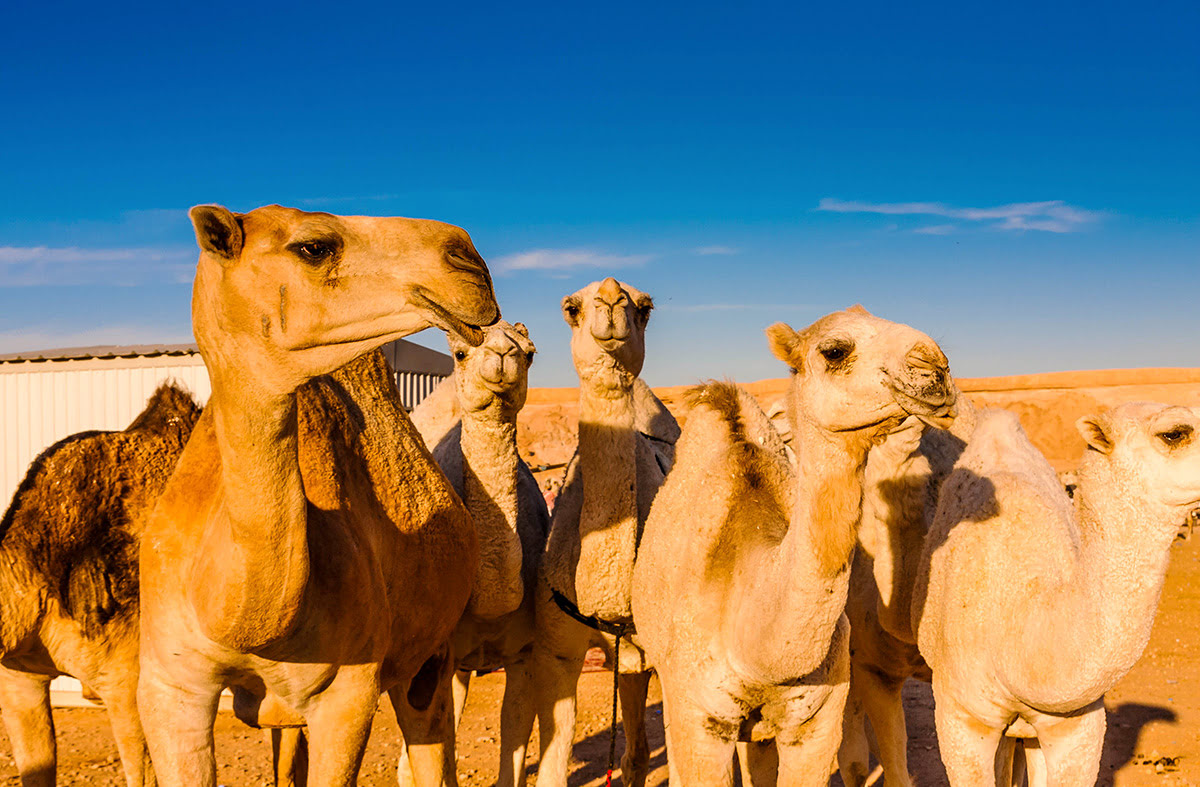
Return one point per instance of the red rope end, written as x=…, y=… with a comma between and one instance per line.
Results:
x=608, y=779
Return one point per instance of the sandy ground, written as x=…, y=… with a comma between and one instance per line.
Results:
x=1153, y=721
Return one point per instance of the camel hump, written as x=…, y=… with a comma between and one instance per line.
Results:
x=169, y=406
x=745, y=419
x=74, y=518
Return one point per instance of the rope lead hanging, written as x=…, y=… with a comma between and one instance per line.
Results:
x=612, y=732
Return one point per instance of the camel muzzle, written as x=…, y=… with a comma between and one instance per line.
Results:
x=924, y=388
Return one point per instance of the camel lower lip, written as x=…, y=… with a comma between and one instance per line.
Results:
x=472, y=334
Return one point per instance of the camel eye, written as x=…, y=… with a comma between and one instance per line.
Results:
x=836, y=352
x=1177, y=436
x=314, y=251
x=460, y=355
x=528, y=358
x=572, y=311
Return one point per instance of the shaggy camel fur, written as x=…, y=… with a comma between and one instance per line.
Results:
x=1028, y=606
x=626, y=447
x=69, y=579
x=308, y=552
x=902, y=478
x=479, y=456
x=741, y=583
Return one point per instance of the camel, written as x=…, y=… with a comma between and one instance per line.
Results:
x=626, y=447
x=308, y=552
x=69, y=579
x=740, y=587
x=479, y=456
x=1030, y=606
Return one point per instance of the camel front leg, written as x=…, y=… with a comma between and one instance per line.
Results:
x=635, y=762
x=883, y=704
x=121, y=703
x=759, y=763
x=809, y=759
x=700, y=750
x=425, y=712
x=558, y=671
x=339, y=723
x=460, y=687
x=968, y=746
x=1070, y=747
x=854, y=752
x=516, y=719
x=289, y=755
x=25, y=700
x=178, y=724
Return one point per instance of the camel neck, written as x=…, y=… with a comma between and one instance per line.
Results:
x=490, y=463
x=608, y=520
x=829, y=495
x=252, y=566
x=806, y=584
x=1106, y=610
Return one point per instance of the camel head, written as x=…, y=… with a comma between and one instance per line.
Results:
x=608, y=331
x=1153, y=451
x=291, y=295
x=495, y=372
x=853, y=372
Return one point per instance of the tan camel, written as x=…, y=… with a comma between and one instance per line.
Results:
x=69, y=580
x=308, y=552
x=741, y=583
x=1029, y=606
x=626, y=447
x=479, y=456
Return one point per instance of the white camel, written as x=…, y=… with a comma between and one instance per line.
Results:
x=1029, y=606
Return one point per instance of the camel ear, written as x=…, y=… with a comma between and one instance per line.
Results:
x=858, y=309
x=644, y=305
x=1095, y=431
x=572, y=308
x=521, y=329
x=218, y=231
x=785, y=344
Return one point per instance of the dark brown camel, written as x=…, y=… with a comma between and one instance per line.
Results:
x=69, y=579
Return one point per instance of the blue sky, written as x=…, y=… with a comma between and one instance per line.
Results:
x=1017, y=180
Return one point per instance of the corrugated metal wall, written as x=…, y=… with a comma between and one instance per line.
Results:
x=415, y=386
x=50, y=401
x=41, y=403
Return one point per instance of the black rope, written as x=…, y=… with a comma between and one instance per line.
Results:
x=591, y=621
x=612, y=733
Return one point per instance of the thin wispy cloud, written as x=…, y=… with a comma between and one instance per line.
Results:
x=563, y=260
x=691, y=308
x=44, y=338
x=32, y=266
x=1049, y=216
x=935, y=229
x=706, y=251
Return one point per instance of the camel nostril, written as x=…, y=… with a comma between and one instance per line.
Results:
x=925, y=358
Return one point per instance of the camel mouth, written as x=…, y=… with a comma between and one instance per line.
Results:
x=938, y=411
x=442, y=318
x=611, y=345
